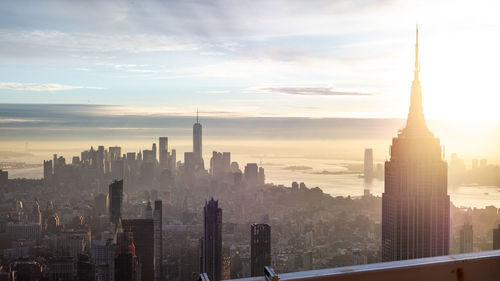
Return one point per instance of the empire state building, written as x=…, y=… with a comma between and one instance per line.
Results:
x=415, y=202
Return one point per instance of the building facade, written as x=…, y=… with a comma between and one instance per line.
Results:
x=260, y=248
x=115, y=201
x=143, y=237
x=415, y=202
x=466, y=238
x=496, y=238
x=197, y=145
x=163, y=149
x=212, y=240
x=158, y=223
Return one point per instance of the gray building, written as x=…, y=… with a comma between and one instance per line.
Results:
x=197, y=145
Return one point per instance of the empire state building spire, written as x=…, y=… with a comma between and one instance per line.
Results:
x=415, y=125
x=415, y=202
x=417, y=70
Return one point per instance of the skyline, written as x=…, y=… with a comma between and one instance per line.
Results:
x=155, y=58
x=361, y=132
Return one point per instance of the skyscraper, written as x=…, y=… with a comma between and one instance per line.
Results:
x=154, y=152
x=172, y=161
x=115, y=152
x=158, y=218
x=415, y=202
x=47, y=170
x=126, y=264
x=85, y=269
x=260, y=248
x=496, y=238
x=189, y=162
x=251, y=173
x=197, y=144
x=115, y=202
x=368, y=164
x=466, y=238
x=103, y=252
x=220, y=164
x=163, y=153
x=212, y=240
x=100, y=204
x=36, y=215
x=143, y=237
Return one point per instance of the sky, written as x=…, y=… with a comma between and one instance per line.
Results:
x=346, y=58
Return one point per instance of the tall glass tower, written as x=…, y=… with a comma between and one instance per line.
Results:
x=212, y=240
x=197, y=144
x=115, y=202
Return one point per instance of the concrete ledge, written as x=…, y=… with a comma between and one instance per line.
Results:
x=480, y=266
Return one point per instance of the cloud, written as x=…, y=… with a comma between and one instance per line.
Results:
x=84, y=42
x=312, y=92
x=41, y=87
x=196, y=18
x=19, y=120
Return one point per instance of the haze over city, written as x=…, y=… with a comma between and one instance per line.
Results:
x=220, y=140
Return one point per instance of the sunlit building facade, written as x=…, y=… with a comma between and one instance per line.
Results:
x=415, y=202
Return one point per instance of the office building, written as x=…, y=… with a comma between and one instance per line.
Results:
x=4, y=178
x=72, y=242
x=158, y=237
x=115, y=152
x=143, y=237
x=148, y=211
x=126, y=262
x=466, y=238
x=496, y=238
x=28, y=231
x=60, y=269
x=172, y=161
x=36, y=214
x=75, y=160
x=415, y=202
x=220, y=164
x=212, y=240
x=102, y=256
x=189, y=162
x=85, y=269
x=59, y=163
x=261, y=178
x=100, y=204
x=368, y=164
x=115, y=202
x=118, y=169
x=251, y=173
x=260, y=248
x=163, y=149
x=47, y=170
x=154, y=153
x=197, y=145
x=148, y=156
